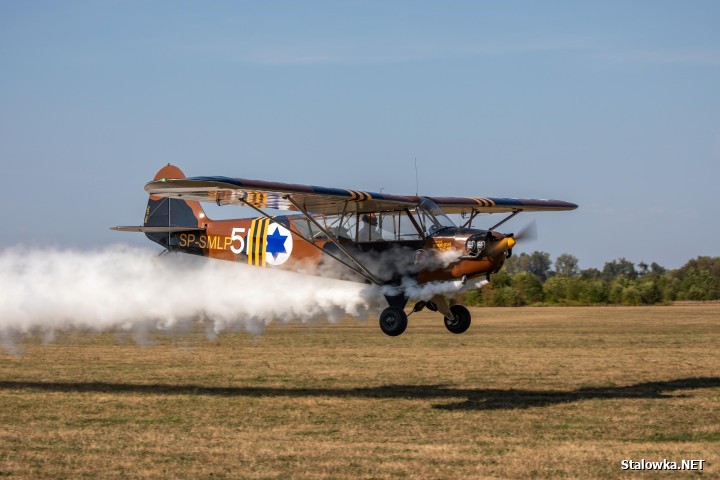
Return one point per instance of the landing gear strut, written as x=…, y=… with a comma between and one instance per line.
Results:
x=394, y=320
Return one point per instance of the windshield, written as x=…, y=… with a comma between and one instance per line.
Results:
x=431, y=217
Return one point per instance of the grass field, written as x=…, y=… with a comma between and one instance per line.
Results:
x=526, y=392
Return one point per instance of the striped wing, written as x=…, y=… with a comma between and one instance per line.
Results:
x=498, y=205
x=329, y=201
x=274, y=195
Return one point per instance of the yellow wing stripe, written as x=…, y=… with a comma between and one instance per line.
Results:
x=484, y=202
x=359, y=196
x=258, y=199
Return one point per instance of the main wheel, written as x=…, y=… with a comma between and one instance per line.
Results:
x=393, y=321
x=461, y=322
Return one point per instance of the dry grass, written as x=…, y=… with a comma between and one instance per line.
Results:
x=534, y=392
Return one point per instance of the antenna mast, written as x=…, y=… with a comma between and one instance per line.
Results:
x=417, y=188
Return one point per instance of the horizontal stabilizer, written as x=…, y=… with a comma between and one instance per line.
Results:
x=158, y=229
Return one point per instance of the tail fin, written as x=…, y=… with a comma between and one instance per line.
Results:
x=171, y=212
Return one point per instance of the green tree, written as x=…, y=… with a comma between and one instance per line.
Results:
x=575, y=286
x=501, y=279
x=631, y=295
x=619, y=267
x=656, y=270
x=615, y=289
x=590, y=273
x=540, y=265
x=649, y=291
x=513, y=264
x=668, y=286
x=504, y=297
x=594, y=291
x=699, y=279
x=527, y=279
x=528, y=287
x=537, y=263
x=556, y=289
x=474, y=297
x=567, y=265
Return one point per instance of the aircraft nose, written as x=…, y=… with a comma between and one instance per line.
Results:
x=510, y=242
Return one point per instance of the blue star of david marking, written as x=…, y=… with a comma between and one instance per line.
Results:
x=276, y=243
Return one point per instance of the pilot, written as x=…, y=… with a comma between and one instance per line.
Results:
x=369, y=232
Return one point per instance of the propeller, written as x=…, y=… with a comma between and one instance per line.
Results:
x=527, y=232
x=504, y=245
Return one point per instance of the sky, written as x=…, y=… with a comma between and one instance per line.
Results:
x=612, y=105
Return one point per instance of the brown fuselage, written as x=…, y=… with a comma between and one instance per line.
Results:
x=246, y=241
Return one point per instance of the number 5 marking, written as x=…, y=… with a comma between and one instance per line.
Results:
x=235, y=235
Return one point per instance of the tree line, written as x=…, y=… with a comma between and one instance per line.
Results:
x=533, y=279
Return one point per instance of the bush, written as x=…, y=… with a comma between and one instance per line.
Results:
x=699, y=279
x=556, y=289
x=528, y=287
x=474, y=297
x=649, y=292
x=630, y=295
x=593, y=291
x=618, y=283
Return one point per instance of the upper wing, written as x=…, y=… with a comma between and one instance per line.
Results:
x=329, y=201
x=273, y=195
x=497, y=205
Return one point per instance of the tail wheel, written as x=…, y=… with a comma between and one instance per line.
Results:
x=461, y=322
x=393, y=321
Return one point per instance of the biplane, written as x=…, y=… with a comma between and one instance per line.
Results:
x=395, y=242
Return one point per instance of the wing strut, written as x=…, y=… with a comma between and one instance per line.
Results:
x=366, y=273
x=505, y=219
x=473, y=214
x=310, y=242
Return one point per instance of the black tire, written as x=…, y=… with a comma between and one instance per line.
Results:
x=462, y=319
x=393, y=321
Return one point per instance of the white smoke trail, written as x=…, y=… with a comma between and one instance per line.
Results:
x=132, y=289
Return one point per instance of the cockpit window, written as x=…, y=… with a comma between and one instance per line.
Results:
x=380, y=226
x=431, y=217
x=391, y=226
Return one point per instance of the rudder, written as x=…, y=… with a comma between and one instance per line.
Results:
x=171, y=212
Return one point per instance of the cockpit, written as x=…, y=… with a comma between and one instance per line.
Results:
x=426, y=219
x=431, y=218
